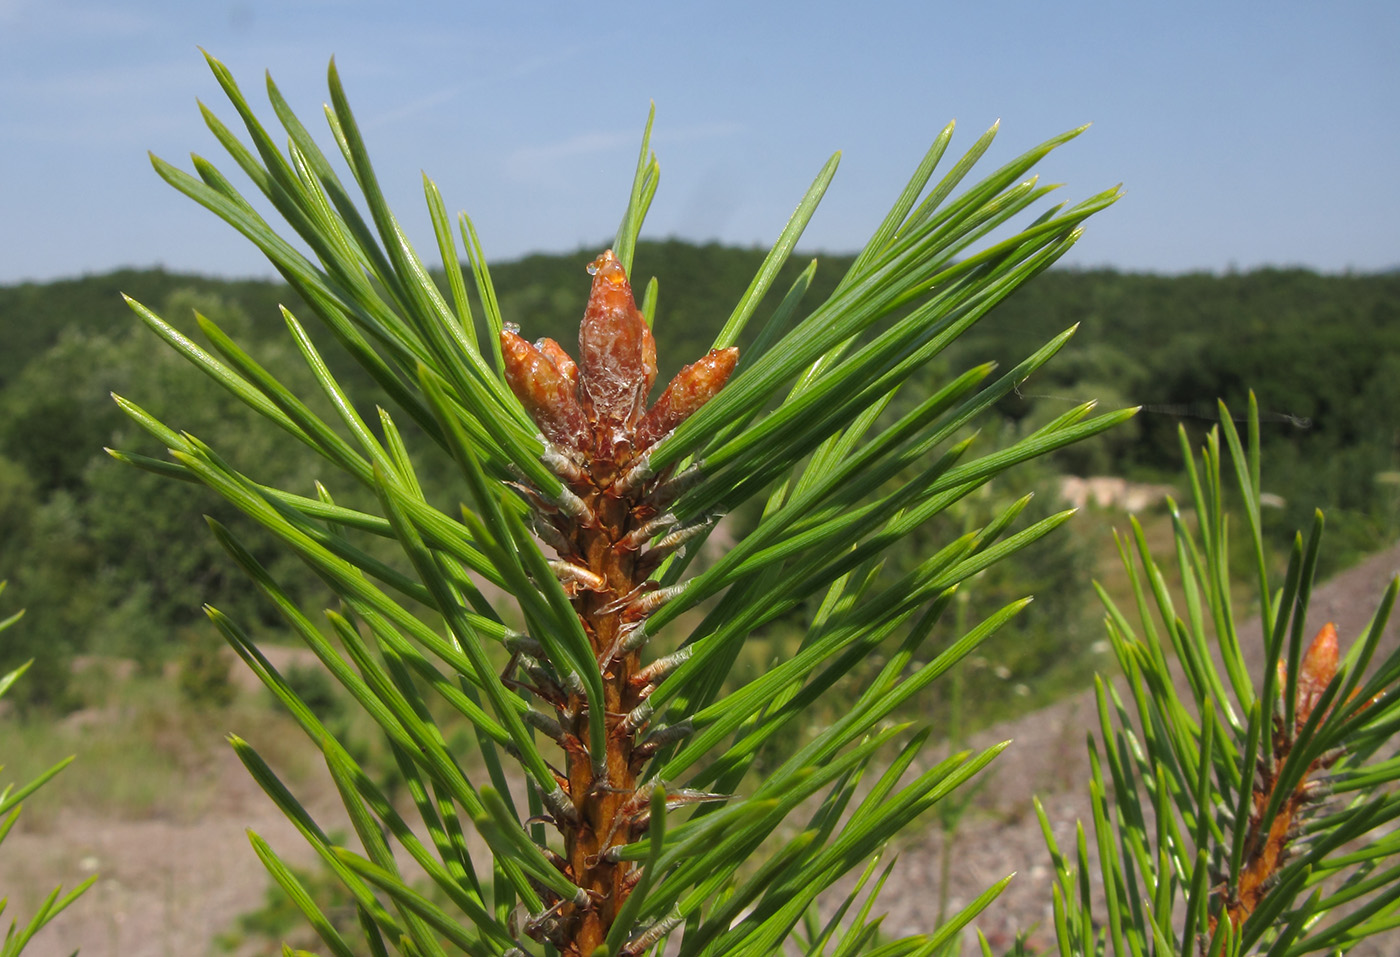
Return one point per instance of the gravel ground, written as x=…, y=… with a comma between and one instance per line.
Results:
x=167, y=887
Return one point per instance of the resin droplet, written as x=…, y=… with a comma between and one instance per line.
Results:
x=692, y=387
x=617, y=355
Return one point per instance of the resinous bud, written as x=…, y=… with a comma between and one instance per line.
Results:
x=617, y=355
x=547, y=393
x=692, y=387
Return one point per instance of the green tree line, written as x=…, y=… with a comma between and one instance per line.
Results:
x=110, y=565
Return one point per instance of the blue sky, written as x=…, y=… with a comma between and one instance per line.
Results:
x=1245, y=134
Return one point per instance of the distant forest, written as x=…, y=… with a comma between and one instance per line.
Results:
x=112, y=561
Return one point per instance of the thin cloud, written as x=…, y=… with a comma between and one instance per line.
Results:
x=531, y=162
x=103, y=106
x=583, y=144
x=697, y=132
x=599, y=142
x=422, y=104
x=72, y=20
x=124, y=83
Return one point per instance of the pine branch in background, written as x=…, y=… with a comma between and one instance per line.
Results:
x=610, y=773
x=11, y=803
x=1239, y=813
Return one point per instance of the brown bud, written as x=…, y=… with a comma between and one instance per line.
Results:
x=1317, y=670
x=546, y=392
x=692, y=387
x=617, y=354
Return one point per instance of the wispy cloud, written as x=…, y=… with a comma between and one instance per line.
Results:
x=101, y=105
x=582, y=144
x=697, y=132
x=414, y=107
x=544, y=162
x=124, y=82
x=34, y=20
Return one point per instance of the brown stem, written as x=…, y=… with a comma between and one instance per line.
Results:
x=601, y=794
x=1266, y=847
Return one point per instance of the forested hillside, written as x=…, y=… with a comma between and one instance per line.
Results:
x=108, y=560
x=1322, y=353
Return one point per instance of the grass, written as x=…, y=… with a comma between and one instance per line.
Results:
x=141, y=749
